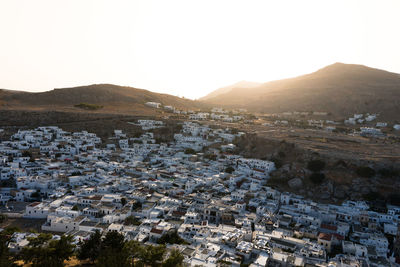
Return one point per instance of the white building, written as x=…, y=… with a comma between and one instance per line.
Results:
x=153, y=104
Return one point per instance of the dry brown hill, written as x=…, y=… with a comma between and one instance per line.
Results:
x=112, y=98
x=341, y=89
x=227, y=89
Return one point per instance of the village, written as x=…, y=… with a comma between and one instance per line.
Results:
x=196, y=186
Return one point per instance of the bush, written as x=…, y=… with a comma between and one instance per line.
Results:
x=275, y=180
x=3, y=218
x=170, y=238
x=210, y=156
x=35, y=195
x=190, y=151
x=317, y=177
x=229, y=169
x=26, y=153
x=278, y=163
x=394, y=199
x=136, y=206
x=10, y=182
x=132, y=221
x=365, y=172
x=88, y=106
x=387, y=173
x=316, y=165
x=372, y=196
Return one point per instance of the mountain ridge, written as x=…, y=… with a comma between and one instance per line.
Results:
x=341, y=89
x=113, y=98
x=226, y=89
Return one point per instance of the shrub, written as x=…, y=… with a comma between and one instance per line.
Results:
x=171, y=237
x=388, y=172
x=26, y=153
x=276, y=180
x=211, y=156
x=317, y=177
x=394, y=199
x=132, y=221
x=278, y=163
x=281, y=154
x=190, y=151
x=316, y=165
x=372, y=196
x=229, y=169
x=3, y=218
x=88, y=106
x=365, y=172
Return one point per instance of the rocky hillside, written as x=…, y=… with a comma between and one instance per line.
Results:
x=322, y=177
x=340, y=89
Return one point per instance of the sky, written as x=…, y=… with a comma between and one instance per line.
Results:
x=186, y=47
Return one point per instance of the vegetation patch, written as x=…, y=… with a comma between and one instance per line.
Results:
x=317, y=177
x=229, y=169
x=190, y=151
x=365, y=172
x=316, y=165
x=171, y=237
x=88, y=106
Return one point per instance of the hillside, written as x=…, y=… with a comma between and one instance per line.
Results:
x=341, y=89
x=227, y=89
x=111, y=99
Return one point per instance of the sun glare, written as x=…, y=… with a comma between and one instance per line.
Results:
x=188, y=48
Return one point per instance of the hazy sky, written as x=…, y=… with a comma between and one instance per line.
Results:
x=189, y=48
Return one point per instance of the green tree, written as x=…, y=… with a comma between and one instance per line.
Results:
x=35, y=195
x=210, y=156
x=316, y=165
x=132, y=221
x=110, y=258
x=3, y=218
x=136, y=206
x=113, y=240
x=133, y=249
x=278, y=162
x=112, y=250
x=10, y=230
x=229, y=169
x=365, y=172
x=10, y=182
x=63, y=248
x=171, y=237
x=123, y=201
x=152, y=255
x=388, y=172
x=90, y=249
x=44, y=251
x=190, y=151
x=27, y=153
x=5, y=256
x=317, y=177
x=175, y=259
x=39, y=240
